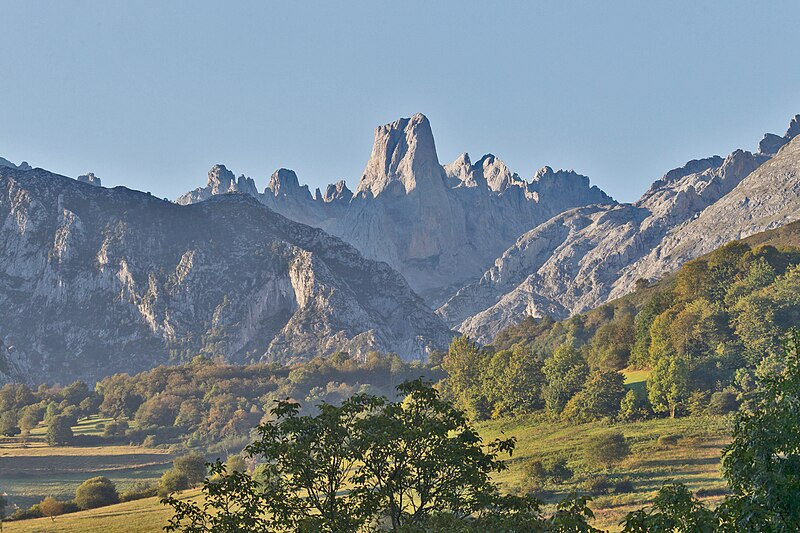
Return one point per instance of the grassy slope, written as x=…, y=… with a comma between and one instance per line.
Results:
x=694, y=460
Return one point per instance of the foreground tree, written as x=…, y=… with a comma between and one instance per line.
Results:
x=421, y=456
x=762, y=463
x=411, y=465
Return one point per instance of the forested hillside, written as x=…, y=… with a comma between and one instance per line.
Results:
x=702, y=334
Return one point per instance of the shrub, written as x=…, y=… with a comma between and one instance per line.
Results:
x=597, y=485
x=708, y=493
x=115, y=428
x=24, y=514
x=542, y=472
x=607, y=449
x=723, y=402
x=667, y=441
x=96, y=492
x=173, y=480
x=623, y=486
x=235, y=463
x=139, y=490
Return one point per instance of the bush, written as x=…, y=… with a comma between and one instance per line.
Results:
x=59, y=431
x=235, y=463
x=597, y=485
x=667, y=441
x=623, y=486
x=193, y=466
x=708, y=493
x=173, y=480
x=607, y=449
x=543, y=472
x=723, y=402
x=24, y=514
x=139, y=490
x=115, y=428
x=96, y=492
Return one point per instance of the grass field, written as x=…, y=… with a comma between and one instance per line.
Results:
x=693, y=460
x=32, y=470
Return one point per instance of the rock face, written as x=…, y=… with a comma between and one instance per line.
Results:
x=586, y=256
x=91, y=179
x=440, y=226
x=95, y=281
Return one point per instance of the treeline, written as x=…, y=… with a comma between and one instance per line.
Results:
x=706, y=333
x=204, y=403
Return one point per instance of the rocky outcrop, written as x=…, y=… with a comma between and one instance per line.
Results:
x=771, y=143
x=440, y=226
x=586, y=256
x=95, y=281
x=91, y=179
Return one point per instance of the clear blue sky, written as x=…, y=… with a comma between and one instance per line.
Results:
x=152, y=94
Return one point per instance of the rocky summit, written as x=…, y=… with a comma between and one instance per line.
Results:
x=439, y=225
x=95, y=281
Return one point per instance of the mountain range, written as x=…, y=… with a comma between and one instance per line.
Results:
x=96, y=280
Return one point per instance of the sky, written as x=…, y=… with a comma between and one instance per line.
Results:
x=150, y=95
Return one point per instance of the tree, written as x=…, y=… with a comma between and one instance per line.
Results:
x=668, y=385
x=600, y=397
x=762, y=463
x=634, y=406
x=607, y=449
x=420, y=456
x=96, y=492
x=59, y=431
x=565, y=373
x=120, y=399
x=51, y=507
x=8, y=424
x=237, y=502
x=415, y=460
x=465, y=364
x=171, y=481
x=3, y=505
x=192, y=466
x=160, y=410
x=316, y=455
